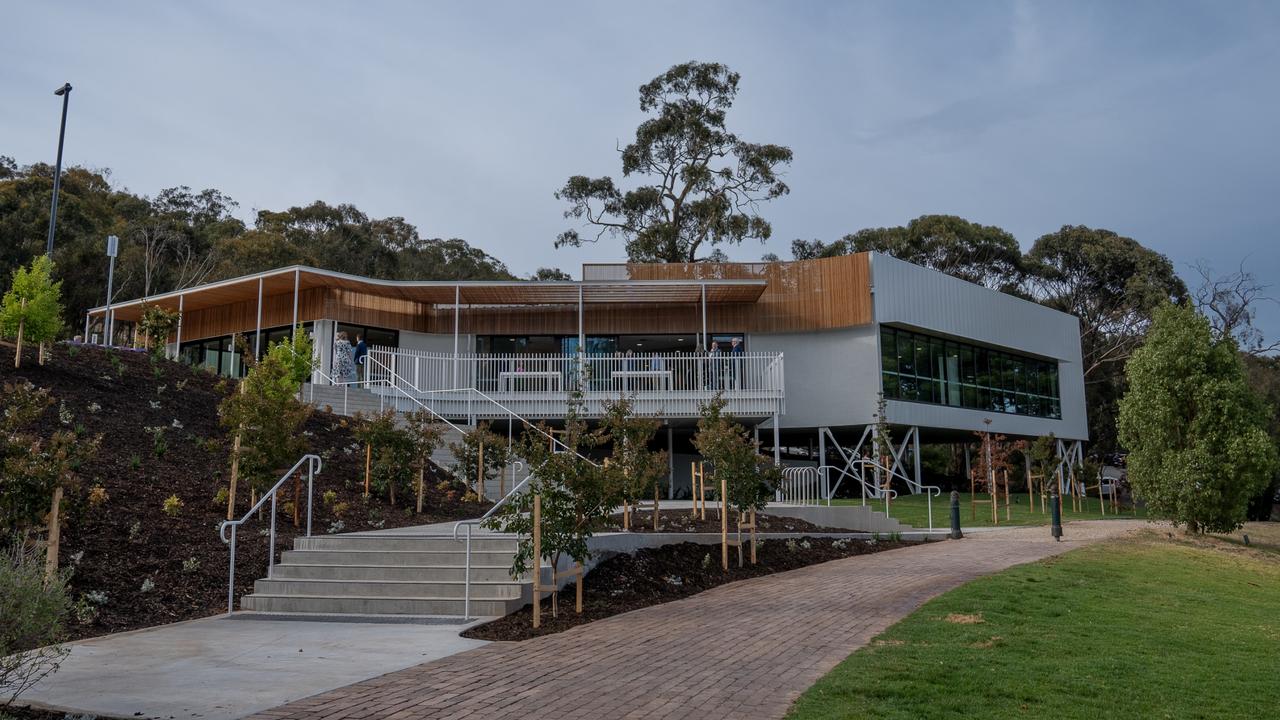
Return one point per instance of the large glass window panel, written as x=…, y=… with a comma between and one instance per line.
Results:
x=888, y=350
x=891, y=385
x=921, y=344
x=906, y=355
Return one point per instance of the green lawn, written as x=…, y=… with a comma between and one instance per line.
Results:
x=913, y=510
x=1139, y=628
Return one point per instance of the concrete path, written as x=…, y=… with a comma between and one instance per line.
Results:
x=223, y=667
x=744, y=650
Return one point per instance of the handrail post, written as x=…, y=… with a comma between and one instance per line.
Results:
x=466, y=580
x=231, y=580
x=311, y=471
x=271, y=549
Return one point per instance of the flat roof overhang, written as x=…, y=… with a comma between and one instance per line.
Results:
x=446, y=292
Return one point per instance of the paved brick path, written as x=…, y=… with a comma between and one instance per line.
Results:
x=744, y=650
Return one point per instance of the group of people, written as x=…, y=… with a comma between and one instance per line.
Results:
x=349, y=360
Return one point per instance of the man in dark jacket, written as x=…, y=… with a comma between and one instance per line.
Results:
x=361, y=354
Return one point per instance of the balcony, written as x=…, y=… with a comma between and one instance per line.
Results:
x=538, y=386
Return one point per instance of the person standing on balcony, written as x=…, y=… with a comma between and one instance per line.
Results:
x=360, y=357
x=735, y=362
x=344, y=367
x=717, y=372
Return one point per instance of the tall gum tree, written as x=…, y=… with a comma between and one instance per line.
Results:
x=704, y=184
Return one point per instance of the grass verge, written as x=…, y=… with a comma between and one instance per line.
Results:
x=1145, y=627
x=914, y=511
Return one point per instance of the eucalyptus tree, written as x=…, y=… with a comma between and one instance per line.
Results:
x=699, y=185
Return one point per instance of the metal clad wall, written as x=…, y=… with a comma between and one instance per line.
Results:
x=832, y=376
x=913, y=296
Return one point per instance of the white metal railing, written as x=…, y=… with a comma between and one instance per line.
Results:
x=671, y=384
x=804, y=485
x=314, y=465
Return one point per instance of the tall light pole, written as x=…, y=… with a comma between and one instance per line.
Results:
x=65, y=92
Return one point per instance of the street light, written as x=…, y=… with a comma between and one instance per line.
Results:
x=65, y=93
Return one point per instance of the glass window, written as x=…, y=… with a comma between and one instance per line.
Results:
x=922, y=355
x=888, y=351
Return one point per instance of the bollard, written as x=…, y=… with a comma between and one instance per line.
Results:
x=1055, y=506
x=955, y=516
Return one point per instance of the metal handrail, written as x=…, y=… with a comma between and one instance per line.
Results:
x=314, y=465
x=466, y=572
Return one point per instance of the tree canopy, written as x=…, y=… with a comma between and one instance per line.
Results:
x=1199, y=447
x=183, y=237
x=701, y=184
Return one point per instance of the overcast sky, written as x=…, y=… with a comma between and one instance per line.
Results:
x=1157, y=120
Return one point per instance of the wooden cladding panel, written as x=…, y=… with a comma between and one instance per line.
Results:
x=804, y=295
x=240, y=317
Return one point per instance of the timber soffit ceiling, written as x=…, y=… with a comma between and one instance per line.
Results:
x=469, y=292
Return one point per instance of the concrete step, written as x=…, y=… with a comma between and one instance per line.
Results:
x=390, y=542
x=435, y=558
x=432, y=590
x=355, y=605
x=452, y=573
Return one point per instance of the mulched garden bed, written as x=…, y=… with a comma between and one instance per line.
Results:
x=652, y=576
x=127, y=542
x=683, y=521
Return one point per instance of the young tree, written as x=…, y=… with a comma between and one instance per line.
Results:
x=267, y=416
x=425, y=432
x=575, y=497
x=705, y=182
x=392, y=452
x=157, y=324
x=1196, y=433
x=748, y=476
x=32, y=309
x=36, y=472
x=634, y=471
x=480, y=456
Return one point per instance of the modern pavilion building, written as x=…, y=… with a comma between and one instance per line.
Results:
x=803, y=350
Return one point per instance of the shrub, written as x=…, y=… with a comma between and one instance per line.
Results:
x=1196, y=433
x=391, y=453
x=329, y=497
x=220, y=497
x=466, y=455
x=172, y=506
x=32, y=613
x=98, y=495
x=190, y=565
x=156, y=325
x=748, y=476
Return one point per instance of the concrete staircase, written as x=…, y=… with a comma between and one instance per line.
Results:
x=390, y=574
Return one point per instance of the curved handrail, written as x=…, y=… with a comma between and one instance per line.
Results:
x=314, y=465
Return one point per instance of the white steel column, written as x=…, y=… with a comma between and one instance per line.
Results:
x=671, y=464
x=457, y=304
x=777, y=442
x=582, y=340
x=257, y=326
x=706, y=344
x=915, y=453
x=177, y=345
x=297, y=275
x=822, y=448
x=85, y=337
